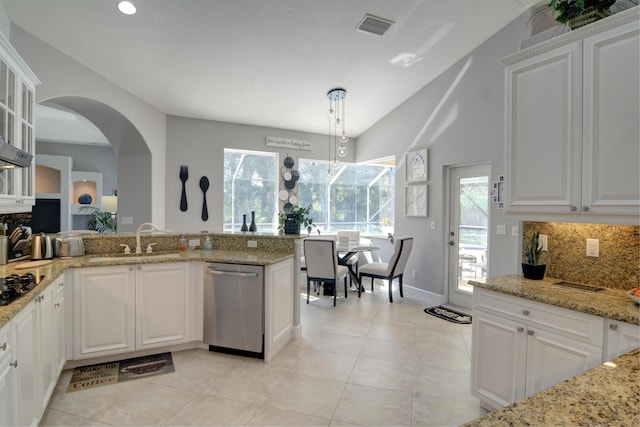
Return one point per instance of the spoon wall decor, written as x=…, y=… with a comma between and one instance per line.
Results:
x=204, y=186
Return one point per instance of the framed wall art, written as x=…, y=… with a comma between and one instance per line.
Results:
x=416, y=166
x=416, y=200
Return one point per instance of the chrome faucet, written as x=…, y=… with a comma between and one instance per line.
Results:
x=140, y=228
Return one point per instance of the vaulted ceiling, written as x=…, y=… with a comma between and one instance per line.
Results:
x=267, y=62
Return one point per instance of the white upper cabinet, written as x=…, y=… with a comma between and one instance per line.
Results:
x=572, y=135
x=17, y=127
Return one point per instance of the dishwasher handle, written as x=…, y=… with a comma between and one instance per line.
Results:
x=230, y=273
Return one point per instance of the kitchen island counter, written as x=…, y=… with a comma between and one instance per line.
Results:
x=605, y=395
x=610, y=303
x=50, y=272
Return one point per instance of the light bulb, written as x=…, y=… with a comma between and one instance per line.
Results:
x=329, y=172
x=126, y=7
x=338, y=123
x=344, y=137
x=342, y=151
x=331, y=113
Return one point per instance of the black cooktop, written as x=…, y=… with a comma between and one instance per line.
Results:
x=14, y=286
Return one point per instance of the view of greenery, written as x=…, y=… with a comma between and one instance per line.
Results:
x=355, y=196
x=474, y=211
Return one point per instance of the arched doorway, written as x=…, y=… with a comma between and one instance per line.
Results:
x=132, y=152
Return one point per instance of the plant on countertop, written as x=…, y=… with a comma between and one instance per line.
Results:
x=102, y=222
x=568, y=11
x=301, y=215
x=533, y=249
x=532, y=269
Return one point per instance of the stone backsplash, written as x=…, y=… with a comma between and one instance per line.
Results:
x=618, y=265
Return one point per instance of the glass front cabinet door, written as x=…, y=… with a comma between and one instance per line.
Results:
x=17, y=97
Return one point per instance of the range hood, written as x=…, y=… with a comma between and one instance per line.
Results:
x=11, y=156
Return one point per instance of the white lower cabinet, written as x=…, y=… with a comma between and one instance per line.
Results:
x=7, y=412
x=125, y=308
x=621, y=337
x=278, y=306
x=520, y=347
x=36, y=333
x=162, y=305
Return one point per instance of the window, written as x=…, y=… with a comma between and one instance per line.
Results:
x=250, y=184
x=355, y=196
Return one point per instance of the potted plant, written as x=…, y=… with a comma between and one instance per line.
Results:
x=577, y=13
x=102, y=222
x=289, y=222
x=532, y=269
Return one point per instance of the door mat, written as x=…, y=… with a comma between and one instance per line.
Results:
x=102, y=374
x=448, y=314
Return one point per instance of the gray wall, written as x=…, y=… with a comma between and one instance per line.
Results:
x=459, y=117
x=200, y=145
x=141, y=193
x=87, y=159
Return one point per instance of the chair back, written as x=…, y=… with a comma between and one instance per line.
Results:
x=352, y=237
x=320, y=257
x=401, y=253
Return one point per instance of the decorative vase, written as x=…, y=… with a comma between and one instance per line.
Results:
x=253, y=226
x=533, y=272
x=291, y=225
x=244, y=223
x=85, y=199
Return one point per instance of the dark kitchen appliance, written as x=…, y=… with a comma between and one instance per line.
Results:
x=45, y=216
x=233, y=309
x=14, y=286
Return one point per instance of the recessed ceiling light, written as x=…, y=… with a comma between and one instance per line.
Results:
x=126, y=7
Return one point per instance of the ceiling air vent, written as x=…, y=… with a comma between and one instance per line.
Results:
x=374, y=25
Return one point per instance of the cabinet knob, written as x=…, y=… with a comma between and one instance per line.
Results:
x=525, y=312
x=57, y=305
x=4, y=346
x=530, y=333
x=61, y=285
x=613, y=327
x=520, y=329
x=14, y=364
x=585, y=209
x=573, y=208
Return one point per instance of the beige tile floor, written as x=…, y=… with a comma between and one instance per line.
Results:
x=364, y=362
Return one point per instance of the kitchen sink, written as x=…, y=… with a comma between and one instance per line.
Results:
x=578, y=286
x=133, y=257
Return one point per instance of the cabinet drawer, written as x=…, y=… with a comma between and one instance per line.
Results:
x=572, y=324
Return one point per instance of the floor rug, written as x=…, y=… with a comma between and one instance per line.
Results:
x=448, y=314
x=102, y=374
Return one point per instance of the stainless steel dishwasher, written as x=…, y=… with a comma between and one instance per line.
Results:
x=234, y=309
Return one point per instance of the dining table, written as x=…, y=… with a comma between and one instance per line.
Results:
x=346, y=252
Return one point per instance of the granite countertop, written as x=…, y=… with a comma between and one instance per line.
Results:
x=606, y=395
x=57, y=267
x=611, y=303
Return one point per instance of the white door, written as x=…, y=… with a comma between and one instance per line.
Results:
x=468, y=230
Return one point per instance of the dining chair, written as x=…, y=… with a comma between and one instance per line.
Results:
x=322, y=265
x=353, y=239
x=392, y=269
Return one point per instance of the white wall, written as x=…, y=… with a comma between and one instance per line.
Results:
x=200, y=145
x=459, y=117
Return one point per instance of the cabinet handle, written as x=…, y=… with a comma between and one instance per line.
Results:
x=613, y=327
x=13, y=364
x=585, y=209
x=57, y=305
x=530, y=333
x=61, y=285
x=4, y=346
x=573, y=208
x=525, y=312
x=520, y=329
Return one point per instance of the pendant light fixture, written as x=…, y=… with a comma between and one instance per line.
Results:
x=337, y=122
